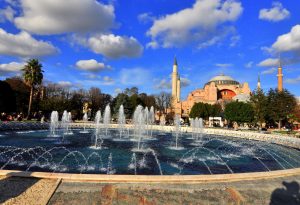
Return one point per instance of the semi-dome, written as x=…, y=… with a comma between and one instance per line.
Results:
x=223, y=80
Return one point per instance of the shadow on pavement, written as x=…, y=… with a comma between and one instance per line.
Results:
x=11, y=186
x=288, y=195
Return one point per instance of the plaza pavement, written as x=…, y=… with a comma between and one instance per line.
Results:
x=271, y=191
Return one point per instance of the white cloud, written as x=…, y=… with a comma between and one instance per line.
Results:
x=90, y=65
x=234, y=40
x=269, y=71
x=223, y=65
x=185, y=82
x=197, y=24
x=289, y=41
x=7, y=14
x=249, y=64
x=276, y=13
x=63, y=16
x=24, y=45
x=12, y=67
x=293, y=80
x=163, y=84
x=13, y=3
x=108, y=80
x=112, y=46
x=91, y=76
x=135, y=76
x=269, y=62
x=146, y=17
x=65, y=84
x=152, y=44
x=287, y=44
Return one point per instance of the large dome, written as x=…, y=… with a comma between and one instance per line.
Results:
x=223, y=80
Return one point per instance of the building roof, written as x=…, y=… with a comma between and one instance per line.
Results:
x=242, y=97
x=223, y=79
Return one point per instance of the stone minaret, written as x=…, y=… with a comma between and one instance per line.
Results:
x=258, y=83
x=280, y=78
x=174, y=81
x=178, y=90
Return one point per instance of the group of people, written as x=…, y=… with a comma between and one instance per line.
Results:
x=38, y=116
x=11, y=117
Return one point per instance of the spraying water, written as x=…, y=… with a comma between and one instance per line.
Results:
x=151, y=119
x=121, y=120
x=133, y=163
x=54, y=123
x=139, y=124
x=65, y=122
x=98, y=139
x=106, y=119
x=84, y=119
x=177, y=132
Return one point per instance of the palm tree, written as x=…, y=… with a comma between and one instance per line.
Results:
x=33, y=76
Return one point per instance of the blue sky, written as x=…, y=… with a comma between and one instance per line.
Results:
x=115, y=44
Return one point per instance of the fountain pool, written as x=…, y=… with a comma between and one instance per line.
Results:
x=38, y=150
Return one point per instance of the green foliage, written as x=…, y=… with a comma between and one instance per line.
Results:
x=33, y=76
x=239, y=112
x=33, y=73
x=7, y=98
x=21, y=92
x=259, y=103
x=205, y=110
x=123, y=99
x=280, y=105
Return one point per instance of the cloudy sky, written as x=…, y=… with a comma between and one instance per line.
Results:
x=114, y=44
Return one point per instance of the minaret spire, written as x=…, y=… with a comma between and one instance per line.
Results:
x=175, y=81
x=258, y=82
x=279, y=76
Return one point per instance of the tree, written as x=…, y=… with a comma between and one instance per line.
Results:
x=33, y=76
x=21, y=92
x=239, y=112
x=205, y=110
x=98, y=100
x=280, y=105
x=259, y=103
x=148, y=100
x=7, y=98
x=163, y=101
x=131, y=91
x=123, y=99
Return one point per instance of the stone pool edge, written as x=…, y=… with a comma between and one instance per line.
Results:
x=153, y=178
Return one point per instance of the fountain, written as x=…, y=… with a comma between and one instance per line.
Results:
x=121, y=122
x=53, y=124
x=151, y=119
x=106, y=119
x=110, y=169
x=97, y=135
x=139, y=126
x=190, y=153
x=197, y=131
x=84, y=119
x=177, y=131
x=133, y=163
x=65, y=123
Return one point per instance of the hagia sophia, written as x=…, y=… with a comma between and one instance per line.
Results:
x=219, y=89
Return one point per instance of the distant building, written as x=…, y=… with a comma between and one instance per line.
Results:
x=218, y=89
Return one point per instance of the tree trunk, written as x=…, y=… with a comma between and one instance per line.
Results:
x=30, y=101
x=279, y=125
